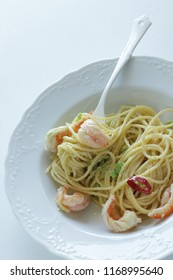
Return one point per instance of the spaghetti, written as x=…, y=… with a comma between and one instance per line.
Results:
x=124, y=158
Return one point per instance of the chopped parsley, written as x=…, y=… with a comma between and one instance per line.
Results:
x=101, y=164
x=116, y=171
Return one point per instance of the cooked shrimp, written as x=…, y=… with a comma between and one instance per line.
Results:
x=166, y=207
x=71, y=202
x=112, y=218
x=165, y=197
x=92, y=135
x=54, y=137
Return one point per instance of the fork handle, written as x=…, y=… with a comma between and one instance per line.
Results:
x=139, y=27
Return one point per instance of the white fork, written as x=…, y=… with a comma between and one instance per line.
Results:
x=139, y=27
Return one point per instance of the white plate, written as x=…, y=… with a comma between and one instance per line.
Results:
x=31, y=192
